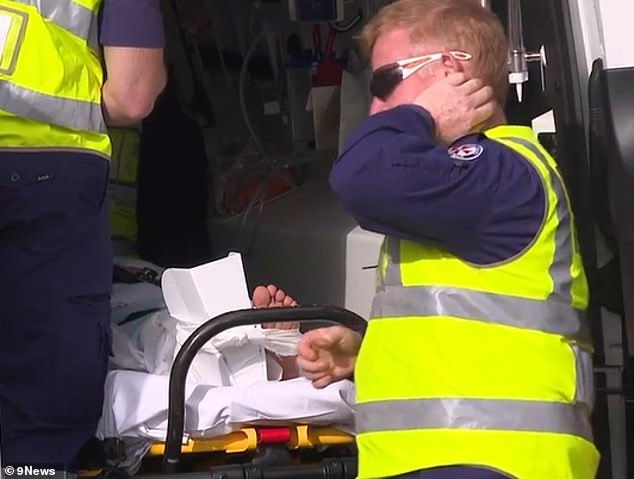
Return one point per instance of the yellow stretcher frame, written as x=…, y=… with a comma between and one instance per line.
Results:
x=246, y=440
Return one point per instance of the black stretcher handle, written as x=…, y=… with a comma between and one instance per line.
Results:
x=217, y=325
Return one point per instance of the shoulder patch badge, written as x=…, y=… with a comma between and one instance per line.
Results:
x=467, y=152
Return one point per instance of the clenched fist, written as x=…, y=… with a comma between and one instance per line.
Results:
x=328, y=355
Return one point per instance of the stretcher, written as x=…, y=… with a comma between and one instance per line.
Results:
x=298, y=449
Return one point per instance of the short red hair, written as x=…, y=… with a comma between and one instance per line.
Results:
x=455, y=24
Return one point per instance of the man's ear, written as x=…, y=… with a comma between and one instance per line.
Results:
x=450, y=64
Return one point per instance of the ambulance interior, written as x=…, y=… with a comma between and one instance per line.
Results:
x=261, y=97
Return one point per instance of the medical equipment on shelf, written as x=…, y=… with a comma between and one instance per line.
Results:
x=316, y=11
x=518, y=56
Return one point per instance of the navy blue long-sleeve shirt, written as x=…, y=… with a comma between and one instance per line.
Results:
x=395, y=179
x=126, y=23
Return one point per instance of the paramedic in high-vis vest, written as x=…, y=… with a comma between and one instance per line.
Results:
x=68, y=68
x=477, y=358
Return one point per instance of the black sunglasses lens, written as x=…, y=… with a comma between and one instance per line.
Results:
x=384, y=82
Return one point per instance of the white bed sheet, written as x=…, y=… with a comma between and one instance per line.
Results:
x=136, y=409
x=136, y=406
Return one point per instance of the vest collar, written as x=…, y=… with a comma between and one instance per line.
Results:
x=516, y=131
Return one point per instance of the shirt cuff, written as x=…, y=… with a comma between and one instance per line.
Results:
x=425, y=116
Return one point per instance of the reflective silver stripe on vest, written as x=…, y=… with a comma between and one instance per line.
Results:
x=562, y=260
x=471, y=414
x=550, y=316
x=393, y=271
x=72, y=114
x=71, y=16
x=554, y=315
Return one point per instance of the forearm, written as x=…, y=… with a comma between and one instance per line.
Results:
x=397, y=180
x=115, y=113
x=135, y=78
x=133, y=59
x=381, y=178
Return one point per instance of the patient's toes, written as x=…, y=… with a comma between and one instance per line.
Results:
x=262, y=297
x=272, y=297
x=279, y=297
x=283, y=300
x=272, y=289
x=288, y=301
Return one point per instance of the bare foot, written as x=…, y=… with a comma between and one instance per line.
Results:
x=272, y=297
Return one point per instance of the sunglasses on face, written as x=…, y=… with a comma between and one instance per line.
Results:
x=385, y=79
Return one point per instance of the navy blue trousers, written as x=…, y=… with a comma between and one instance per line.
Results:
x=454, y=472
x=55, y=282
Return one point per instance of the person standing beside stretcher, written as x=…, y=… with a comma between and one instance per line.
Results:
x=55, y=249
x=476, y=362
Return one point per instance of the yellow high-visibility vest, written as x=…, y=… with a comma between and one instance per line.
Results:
x=51, y=77
x=485, y=366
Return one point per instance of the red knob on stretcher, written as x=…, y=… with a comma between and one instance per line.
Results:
x=274, y=435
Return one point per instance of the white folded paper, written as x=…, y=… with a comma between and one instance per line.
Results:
x=236, y=356
x=167, y=316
